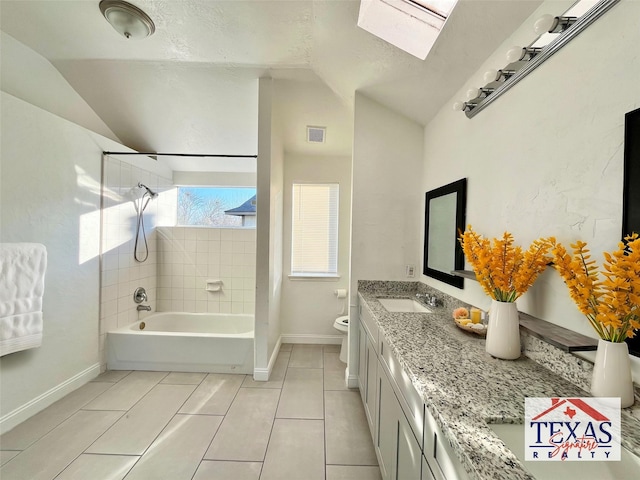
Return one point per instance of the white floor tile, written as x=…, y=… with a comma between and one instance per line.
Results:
x=348, y=441
x=127, y=392
x=244, y=433
x=244, y=430
x=112, y=376
x=302, y=394
x=184, y=378
x=295, y=449
x=306, y=356
x=219, y=470
x=52, y=453
x=214, y=395
x=31, y=430
x=98, y=467
x=334, y=372
x=276, y=378
x=353, y=472
x=178, y=450
x=135, y=431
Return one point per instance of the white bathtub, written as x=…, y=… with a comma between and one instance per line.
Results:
x=184, y=342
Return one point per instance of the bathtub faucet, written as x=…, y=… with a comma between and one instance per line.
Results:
x=146, y=308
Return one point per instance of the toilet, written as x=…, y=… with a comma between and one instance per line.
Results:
x=342, y=325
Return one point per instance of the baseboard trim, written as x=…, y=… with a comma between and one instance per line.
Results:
x=20, y=414
x=263, y=374
x=312, y=339
x=352, y=381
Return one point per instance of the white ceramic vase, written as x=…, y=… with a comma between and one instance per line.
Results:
x=503, y=331
x=612, y=372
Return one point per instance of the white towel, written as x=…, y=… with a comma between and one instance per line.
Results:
x=22, y=270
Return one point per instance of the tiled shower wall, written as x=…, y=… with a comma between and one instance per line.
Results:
x=120, y=273
x=189, y=256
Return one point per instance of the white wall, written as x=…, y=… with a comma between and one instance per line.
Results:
x=268, y=231
x=546, y=158
x=388, y=201
x=50, y=193
x=29, y=76
x=309, y=306
x=217, y=179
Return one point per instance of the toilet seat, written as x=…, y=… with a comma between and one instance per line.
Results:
x=342, y=323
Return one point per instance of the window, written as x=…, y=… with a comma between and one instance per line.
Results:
x=217, y=206
x=314, y=243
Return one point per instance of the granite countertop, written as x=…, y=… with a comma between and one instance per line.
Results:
x=465, y=389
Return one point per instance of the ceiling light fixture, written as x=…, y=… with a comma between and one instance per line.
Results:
x=128, y=20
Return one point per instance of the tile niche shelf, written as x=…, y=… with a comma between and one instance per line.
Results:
x=560, y=337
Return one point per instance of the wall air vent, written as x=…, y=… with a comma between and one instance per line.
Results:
x=316, y=134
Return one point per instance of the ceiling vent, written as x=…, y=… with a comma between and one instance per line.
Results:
x=316, y=134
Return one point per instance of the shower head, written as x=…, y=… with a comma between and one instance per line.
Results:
x=151, y=193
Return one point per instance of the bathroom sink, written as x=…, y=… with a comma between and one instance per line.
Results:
x=513, y=437
x=403, y=305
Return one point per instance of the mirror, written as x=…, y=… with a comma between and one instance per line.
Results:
x=444, y=216
x=631, y=192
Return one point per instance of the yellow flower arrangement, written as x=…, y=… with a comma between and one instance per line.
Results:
x=504, y=271
x=611, y=305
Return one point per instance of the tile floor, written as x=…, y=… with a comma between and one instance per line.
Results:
x=303, y=424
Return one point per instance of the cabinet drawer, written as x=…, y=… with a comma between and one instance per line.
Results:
x=410, y=400
x=366, y=319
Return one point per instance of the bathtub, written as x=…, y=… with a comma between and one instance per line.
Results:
x=184, y=342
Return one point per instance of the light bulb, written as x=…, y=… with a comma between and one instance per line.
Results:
x=459, y=106
x=515, y=54
x=545, y=24
x=473, y=93
x=492, y=76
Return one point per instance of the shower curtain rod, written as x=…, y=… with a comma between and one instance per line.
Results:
x=154, y=154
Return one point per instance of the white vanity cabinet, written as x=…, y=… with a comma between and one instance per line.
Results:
x=368, y=366
x=399, y=452
x=439, y=454
x=409, y=444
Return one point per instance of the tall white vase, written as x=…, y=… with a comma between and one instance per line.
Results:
x=612, y=372
x=503, y=331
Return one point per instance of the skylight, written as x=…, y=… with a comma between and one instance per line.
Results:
x=411, y=25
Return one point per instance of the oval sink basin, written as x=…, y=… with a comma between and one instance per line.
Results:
x=405, y=305
x=513, y=437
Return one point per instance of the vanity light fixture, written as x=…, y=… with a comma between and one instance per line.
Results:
x=517, y=54
x=497, y=75
x=550, y=24
x=474, y=93
x=464, y=106
x=523, y=60
x=128, y=20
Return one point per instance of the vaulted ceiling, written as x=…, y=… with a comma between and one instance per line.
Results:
x=191, y=87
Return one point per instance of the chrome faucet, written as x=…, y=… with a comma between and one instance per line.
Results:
x=427, y=299
x=146, y=308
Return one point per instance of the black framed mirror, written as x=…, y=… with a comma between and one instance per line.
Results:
x=631, y=192
x=444, y=216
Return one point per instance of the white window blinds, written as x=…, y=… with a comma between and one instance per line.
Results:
x=314, y=243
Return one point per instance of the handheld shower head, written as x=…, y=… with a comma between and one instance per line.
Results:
x=151, y=193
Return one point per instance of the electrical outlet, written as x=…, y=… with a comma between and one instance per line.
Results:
x=410, y=271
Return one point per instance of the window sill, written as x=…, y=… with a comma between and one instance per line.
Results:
x=311, y=277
